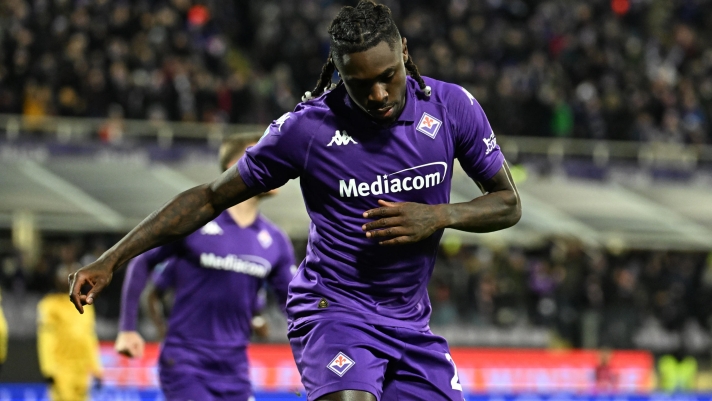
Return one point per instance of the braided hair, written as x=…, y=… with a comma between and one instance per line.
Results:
x=356, y=29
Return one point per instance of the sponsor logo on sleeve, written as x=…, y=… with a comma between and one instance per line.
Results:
x=490, y=142
x=341, y=364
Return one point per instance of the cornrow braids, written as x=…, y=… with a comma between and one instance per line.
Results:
x=413, y=71
x=356, y=29
x=327, y=71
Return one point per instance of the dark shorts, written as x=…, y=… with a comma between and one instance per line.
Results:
x=392, y=363
x=204, y=373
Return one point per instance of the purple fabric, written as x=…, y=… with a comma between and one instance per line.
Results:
x=346, y=163
x=190, y=374
x=392, y=363
x=216, y=273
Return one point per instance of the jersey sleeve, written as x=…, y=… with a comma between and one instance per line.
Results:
x=283, y=272
x=280, y=154
x=164, y=275
x=476, y=145
x=137, y=276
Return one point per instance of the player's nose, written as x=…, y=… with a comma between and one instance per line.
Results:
x=378, y=95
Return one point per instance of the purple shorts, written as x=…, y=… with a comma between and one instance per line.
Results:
x=191, y=373
x=392, y=363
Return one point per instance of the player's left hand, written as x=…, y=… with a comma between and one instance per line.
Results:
x=403, y=222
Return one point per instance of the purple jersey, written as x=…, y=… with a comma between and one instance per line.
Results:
x=346, y=163
x=216, y=272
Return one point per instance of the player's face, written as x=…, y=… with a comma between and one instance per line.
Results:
x=375, y=79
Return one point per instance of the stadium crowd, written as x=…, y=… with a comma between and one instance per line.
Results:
x=624, y=69
x=560, y=287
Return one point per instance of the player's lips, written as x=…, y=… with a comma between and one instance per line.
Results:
x=383, y=112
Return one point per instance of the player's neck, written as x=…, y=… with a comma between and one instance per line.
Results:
x=245, y=213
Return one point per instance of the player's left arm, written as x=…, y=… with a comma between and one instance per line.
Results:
x=479, y=155
x=406, y=222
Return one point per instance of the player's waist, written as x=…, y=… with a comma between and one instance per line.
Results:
x=306, y=307
x=189, y=341
x=299, y=318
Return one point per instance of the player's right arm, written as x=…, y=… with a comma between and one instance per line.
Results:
x=179, y=217
x=129, y=342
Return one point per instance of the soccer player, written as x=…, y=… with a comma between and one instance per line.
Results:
x=216, y=274
x=67, y=345
x=375, y=157
x=3, y=337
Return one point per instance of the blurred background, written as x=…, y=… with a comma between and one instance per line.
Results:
x=602, y=108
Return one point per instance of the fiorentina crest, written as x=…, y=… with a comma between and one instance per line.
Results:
x=340, y=364
x=429, y=125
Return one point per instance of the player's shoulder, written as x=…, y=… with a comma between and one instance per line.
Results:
x=302, y=119
x=449, y=94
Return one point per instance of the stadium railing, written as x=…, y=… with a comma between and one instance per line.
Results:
x=601, y=152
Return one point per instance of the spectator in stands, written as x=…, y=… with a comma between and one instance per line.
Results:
x=581, y=69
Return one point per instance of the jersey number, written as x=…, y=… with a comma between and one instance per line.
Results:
x=455, y=381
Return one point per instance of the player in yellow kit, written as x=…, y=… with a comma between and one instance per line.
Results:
x=3, y=337
x=67, y=345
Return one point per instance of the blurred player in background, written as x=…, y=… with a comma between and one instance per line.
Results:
x=3, y=337
x=68, y=347
x=375, y=157
x=216, y=275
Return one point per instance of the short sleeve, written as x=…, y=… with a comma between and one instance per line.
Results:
x=280, y=154
x=475, y=142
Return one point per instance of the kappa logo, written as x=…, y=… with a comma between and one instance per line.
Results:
x=341, y=139
x=341, y=364
x=490, y=142
x=280, y=121
x=469, y=96
x=211, y=228
x=429, y=125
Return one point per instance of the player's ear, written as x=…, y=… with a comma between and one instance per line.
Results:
x=404, y=43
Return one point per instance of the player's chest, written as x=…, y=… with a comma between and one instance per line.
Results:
x=219, y=248
x=405, y=158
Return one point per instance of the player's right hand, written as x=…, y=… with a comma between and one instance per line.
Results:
x=130, y=344
x=96, y=275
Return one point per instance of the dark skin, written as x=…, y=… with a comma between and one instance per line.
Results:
x=376, y=81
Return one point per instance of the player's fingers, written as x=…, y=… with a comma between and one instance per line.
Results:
x=381, y=212
x=386, y=203
x=125, y=352
x=95, y=290
x=75, y=286
x=381, y=223
x=404, y=239
x=387, y=232
x=138, y=352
